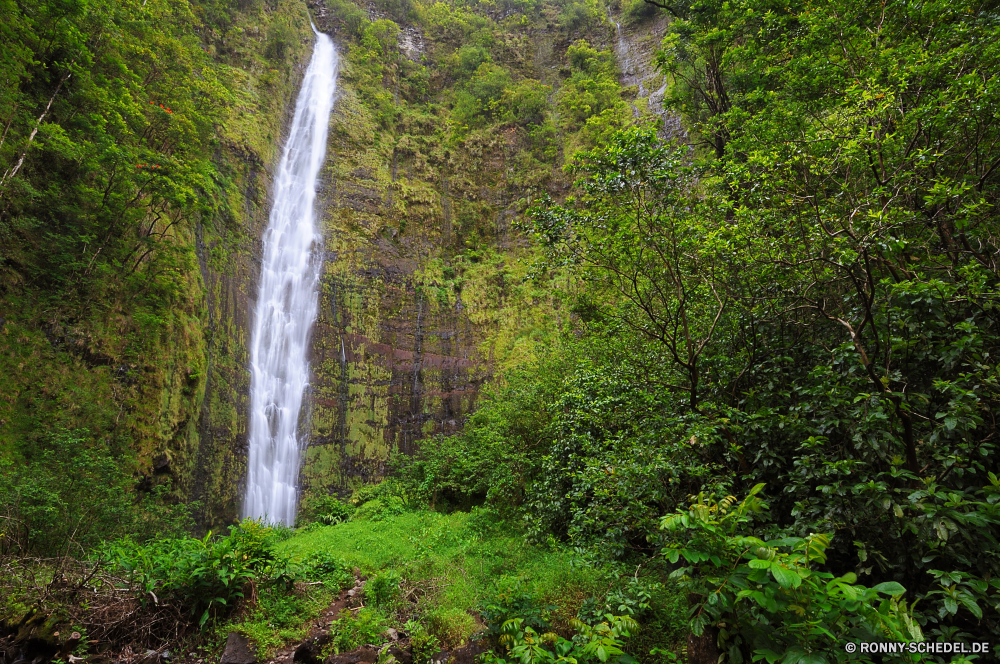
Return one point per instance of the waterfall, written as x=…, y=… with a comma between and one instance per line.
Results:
x=287, y=300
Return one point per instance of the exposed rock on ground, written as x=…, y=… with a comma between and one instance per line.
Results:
x=238, y=650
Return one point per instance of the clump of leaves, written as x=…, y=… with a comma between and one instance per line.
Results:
x=376, y=502
x=206, y=576
x=327, y=510
x=423, y=644
x=602, y=642
x=72, y=492
x=453, y=627
x=512, y=601
x=383, y=590
x=335, y=572
x=352, y=631
x=781, y=602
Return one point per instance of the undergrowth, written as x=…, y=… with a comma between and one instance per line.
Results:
x=446, y=579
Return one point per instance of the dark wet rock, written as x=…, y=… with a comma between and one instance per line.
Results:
x=154, y=657
x=238, y=650
x=402, y=656
x=307, y=653
x=365, y=654
x=161, y=464
x=468, y=653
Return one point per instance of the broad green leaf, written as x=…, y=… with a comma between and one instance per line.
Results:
x=785, y=577
x=889, y=588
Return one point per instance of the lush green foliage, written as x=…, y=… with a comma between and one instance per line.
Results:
x=430, y=570
x=383, y=590
x=423, y=644
x=788, y=608
x=71, y=494
x=107, y=145
x=130, y=133
x=352, y=630
x=602, y=642
x=590, y=98
x=324, y=566
x=800, y=295
x=205, y=576
x=328, y=510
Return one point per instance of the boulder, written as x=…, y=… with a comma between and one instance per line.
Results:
x=362, y=655
x=402, y=656
x=238, y=650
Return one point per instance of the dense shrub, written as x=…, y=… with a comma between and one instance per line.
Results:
x=423, y=644
x=324, y=566
x=638, y=11
x=729, y=571
x=592, y=88
x=352, y=630
x=453, y=627
x=467, y=59
x=71, y=492
x=383, y=589
x=601, y=642
x=375, y=502
x=511, y=601
x=204, y=576
x=579, y=14
x=325, y=509
x=490, y=96
x=349, y=15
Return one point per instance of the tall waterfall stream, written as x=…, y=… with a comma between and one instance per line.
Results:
x=287, y=300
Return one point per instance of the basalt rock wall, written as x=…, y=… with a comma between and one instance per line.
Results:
x=426, y=291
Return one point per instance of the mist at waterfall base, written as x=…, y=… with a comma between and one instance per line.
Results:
x=287, y=301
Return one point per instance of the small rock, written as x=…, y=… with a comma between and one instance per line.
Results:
x=352, y=592
x=150, y=657
x=402, y=656
x=393, y=634
x=307, y=653
x=161, y=464
x=238, y=650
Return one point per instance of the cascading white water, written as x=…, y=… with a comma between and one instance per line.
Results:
x=287, y=300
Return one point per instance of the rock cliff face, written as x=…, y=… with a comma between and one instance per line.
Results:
x=423, y=293
x=636, y=40
x=230, y=292
x=396, y=356
x=229, y=267
x=404, y=337
x=427, y=289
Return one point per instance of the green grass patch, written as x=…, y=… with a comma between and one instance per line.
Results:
x=447, y=566
x=280, y=616
x=458, y=574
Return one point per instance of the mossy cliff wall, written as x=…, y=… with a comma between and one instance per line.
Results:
x=451, y=118
x=161, y=377
x=425, y=292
